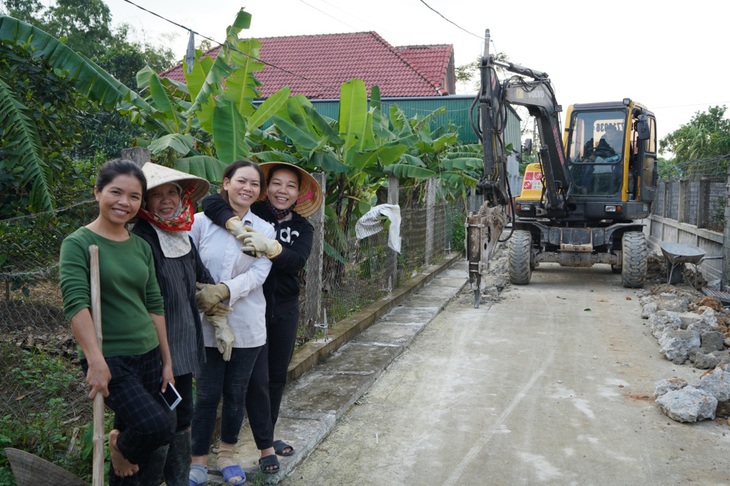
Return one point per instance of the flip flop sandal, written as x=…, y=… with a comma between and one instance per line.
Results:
x=283, y=449
x=198, y=475
x=230, y=472
x=269, y=464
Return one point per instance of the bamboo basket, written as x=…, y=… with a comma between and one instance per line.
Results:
x=31, y=470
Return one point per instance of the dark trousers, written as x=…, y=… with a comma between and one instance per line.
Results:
x=144, y=421
x=268, y=379
x=221, y=379
x=184, y=409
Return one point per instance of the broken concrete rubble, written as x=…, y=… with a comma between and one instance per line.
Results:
x=691, y=329
x=689, y=404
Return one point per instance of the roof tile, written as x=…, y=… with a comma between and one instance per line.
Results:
x=317, y=65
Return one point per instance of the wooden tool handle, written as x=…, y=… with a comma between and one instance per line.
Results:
x=98, y=437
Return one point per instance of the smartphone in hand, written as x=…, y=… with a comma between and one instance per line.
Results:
x=171, y=397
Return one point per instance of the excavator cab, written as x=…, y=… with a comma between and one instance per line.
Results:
x=611, y=158
x=610, y=161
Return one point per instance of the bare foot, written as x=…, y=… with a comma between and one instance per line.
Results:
x=122, y=467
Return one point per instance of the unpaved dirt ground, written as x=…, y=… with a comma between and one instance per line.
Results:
x=549, y=383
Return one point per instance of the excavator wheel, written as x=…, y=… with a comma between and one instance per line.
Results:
x=633, y=271
x=518, y=261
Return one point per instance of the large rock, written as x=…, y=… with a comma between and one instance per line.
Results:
x=688, y=404
x=703, y=361
x=649, y=309
x=704, y=321
x=716, y=383
x=712, y=341
x=670, y=384
x=663, y=321
x=676, y=345
x=674, y=303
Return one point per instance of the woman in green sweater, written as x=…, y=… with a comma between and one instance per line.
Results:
x=134, y=363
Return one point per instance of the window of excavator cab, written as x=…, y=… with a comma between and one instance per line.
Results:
x=650, y=144
x=595, y=151
x=596, y=137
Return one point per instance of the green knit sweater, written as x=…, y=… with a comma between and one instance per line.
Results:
x=129, y=290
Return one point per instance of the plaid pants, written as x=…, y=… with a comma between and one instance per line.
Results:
x=144, y=421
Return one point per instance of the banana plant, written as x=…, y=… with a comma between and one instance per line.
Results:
x=211, y=118
x=198, y=126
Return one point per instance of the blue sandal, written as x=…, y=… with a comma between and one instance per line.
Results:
x=230, y=472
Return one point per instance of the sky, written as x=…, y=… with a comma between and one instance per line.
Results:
x=669, y=56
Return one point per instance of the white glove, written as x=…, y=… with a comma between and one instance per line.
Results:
x=223, y=334
x=208, y=295
x=235, y=226
x=261, y=244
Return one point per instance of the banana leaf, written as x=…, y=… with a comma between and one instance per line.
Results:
x=407, y=171
x=203, y=166
x=180, y=143
x=268, y=108
x=299, y=137
x=229, y=133
x=86, y=76
x=353, y=112
x=164, y=104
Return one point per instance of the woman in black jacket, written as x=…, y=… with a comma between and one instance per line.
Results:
x=292, y=195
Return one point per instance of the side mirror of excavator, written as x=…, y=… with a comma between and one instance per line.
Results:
x=527, y=146
x=643, y=131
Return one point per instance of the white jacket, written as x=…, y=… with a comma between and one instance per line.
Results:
x=244, y=276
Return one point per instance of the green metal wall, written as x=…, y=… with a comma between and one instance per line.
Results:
x=457, y=111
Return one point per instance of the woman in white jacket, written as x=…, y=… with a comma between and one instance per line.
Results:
x=239, y=278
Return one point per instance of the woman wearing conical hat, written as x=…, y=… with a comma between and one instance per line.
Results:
x=292, y=195
x=165, y=217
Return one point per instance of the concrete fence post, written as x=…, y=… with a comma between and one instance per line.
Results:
x=392, y=256
x=726, y=236
x=430, y=218
x=313, y=289
x=703, y=203
x=138, y=155
x=683, y=205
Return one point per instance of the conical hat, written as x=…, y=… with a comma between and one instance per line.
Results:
x=157, y=175
x=310, y=194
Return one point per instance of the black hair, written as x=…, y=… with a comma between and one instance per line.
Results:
x=278, y=167
x=116, y=167
x=233, y=167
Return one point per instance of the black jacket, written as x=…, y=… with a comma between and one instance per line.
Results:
x=176, y=278
x=295, y=236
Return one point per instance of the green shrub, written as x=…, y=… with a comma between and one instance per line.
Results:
x=45, y=406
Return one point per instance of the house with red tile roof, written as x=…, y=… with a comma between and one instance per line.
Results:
x=317, y=65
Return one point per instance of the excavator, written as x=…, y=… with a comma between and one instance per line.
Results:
x=582, y=202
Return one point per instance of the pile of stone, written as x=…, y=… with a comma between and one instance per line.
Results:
x=692, y=329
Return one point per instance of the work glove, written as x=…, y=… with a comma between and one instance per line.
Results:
x=262, y=245
x=235, y=226
x=208, y=295
x=223, y=334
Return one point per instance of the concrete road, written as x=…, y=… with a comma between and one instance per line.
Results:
x=552, y=384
